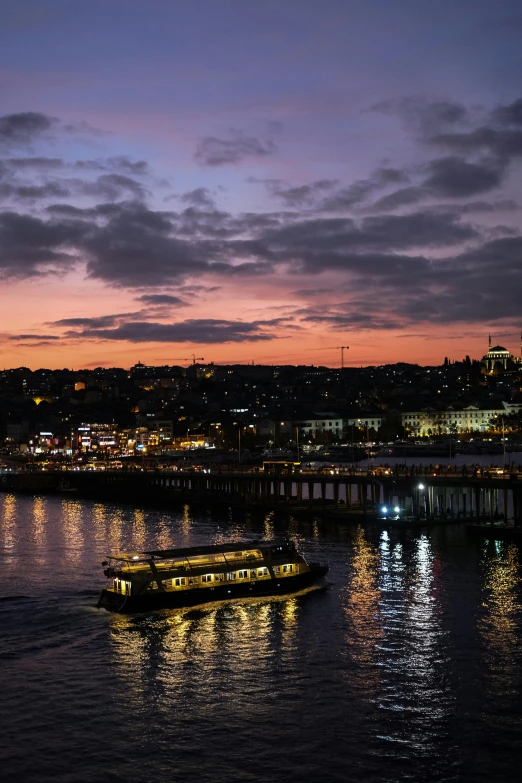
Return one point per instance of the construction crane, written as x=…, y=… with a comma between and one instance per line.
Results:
x=194, y=359
x=342, y=348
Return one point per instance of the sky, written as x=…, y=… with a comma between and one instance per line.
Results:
x=261, y=182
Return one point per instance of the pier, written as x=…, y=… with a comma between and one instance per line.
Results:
x=446, y=494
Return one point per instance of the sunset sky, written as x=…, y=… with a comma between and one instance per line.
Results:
x=259, y=181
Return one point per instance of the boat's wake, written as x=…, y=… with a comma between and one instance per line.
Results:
x=211, y=606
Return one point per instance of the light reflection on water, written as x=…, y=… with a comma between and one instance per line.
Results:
x=409, y=667
x=500, y=623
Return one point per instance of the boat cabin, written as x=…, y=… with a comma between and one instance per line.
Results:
x=134, y=573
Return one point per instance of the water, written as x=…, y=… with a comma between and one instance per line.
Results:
x=407, y=668
x=458, y=460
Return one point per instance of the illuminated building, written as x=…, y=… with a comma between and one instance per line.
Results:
x=499, y=359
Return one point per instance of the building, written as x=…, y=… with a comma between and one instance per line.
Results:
x=366, y=423
x=450, y=421
x=325, y=423
x=499, y=359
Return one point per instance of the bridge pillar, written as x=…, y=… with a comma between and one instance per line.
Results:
x=477, y=502
x=287, y=487
x=323, y=490
x=427, y=501
x=310, y=492
x=336, y=493
x=299, y=491
x=517, y=506
x=373, y=494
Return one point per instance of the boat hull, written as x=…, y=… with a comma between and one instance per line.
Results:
x=147, y=602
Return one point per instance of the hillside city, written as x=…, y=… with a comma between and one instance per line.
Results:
x=107, y=413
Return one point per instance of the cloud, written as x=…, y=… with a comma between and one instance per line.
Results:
x=449, y=177
x=509, y=115
x=196, y=331
x=340, y=243
x=30, y=246
x=475, y=286
x=212, y=151
x=97, y=322
x=505, y=145
x=355, y=194
x=455, y=177
x=118, y=163
x=300, y=195
x=424, y=116
x=21, y=129
x=34, y=192
x=199, y=197
x=34, y=337
x=113, y=186
x=36, y=163
x=160, y=299
x=403, y=197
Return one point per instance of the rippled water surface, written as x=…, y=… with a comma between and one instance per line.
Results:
x=408, y=667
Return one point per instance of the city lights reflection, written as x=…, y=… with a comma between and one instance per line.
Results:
x=173, y=654
x=73, y=530
x=39, y=517
x=499, y=626
x=8, y=515
x=361, y=602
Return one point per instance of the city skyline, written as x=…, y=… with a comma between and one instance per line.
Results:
x=259, y=183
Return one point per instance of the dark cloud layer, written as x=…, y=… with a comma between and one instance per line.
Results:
x=423, y=116
x=160, y=299
x=23, y=337
x=212, y=151
x=21, y=129
x=428, y=263
x=203, y=331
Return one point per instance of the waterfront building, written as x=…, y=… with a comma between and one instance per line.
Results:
x=453, y=421
x=326, y=423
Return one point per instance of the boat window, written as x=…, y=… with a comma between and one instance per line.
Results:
x=231, y=576
x=206, y=578
x=245, y=554
x=262, y=571
x=180, y=581
x=287, y=569
x=277, y=570
x=253, y=573
x=193, y=580
x=243, y=574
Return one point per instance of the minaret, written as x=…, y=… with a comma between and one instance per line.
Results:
x=490, y=339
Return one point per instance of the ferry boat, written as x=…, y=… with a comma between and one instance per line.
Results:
x=143, y=581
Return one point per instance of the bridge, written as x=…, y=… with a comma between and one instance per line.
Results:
x=418, y=493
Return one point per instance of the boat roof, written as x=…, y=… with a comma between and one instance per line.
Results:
x=227, y=546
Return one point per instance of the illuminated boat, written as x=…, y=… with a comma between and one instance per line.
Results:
x=143, y=581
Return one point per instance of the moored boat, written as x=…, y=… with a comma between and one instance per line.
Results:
x=143, y=581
